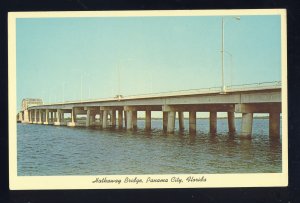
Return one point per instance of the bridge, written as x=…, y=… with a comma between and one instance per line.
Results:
x=122, y=111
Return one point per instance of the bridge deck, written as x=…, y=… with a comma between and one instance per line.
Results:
x=240, y=99
x=265, y=94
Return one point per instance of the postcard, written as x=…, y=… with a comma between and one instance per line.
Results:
x=147, y=99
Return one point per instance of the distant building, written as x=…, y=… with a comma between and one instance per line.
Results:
x=23, y=114
x=31, y=102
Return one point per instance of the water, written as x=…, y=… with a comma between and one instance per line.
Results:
x=58, y=150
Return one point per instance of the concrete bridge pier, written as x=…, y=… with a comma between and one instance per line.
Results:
x=171, y=121
x=181, y=120
x=32, y=116
x=35, y=116
x=88, y=118
x=46, y=117
x=165, y=121
x=134, y=120
x=73, y=117
x=58, y=117
x=29, y=116
x=131, y=117
x=129, y=120
x=25, y=117
x=90, y=115
x=192, y=122
x=52, y=117
x=101, y=118
x=113, y=118
x=148, y=120
x=231, y=122
x=93, y=118
x=55, y=116
x=120, y=119
x=247, y=121
x=274, y=124
x=104, y=119
x=40, y=117
x=125, y=119
x=62, y=117
x=213, y=122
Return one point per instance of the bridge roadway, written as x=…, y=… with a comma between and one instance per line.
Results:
x=249, y=100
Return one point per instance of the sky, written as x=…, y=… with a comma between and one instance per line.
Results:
x=67, y=59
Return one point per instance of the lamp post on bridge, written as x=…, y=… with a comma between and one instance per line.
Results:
x=223, y=90
x=119, y=95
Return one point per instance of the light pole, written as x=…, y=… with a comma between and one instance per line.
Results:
x=223, y=90
x=119, y=96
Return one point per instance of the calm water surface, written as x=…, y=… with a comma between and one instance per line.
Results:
x=59, y=150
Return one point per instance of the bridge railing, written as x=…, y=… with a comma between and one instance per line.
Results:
x=241, y=87
x=214, y=89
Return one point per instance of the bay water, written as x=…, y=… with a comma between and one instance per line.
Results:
x=46, y=150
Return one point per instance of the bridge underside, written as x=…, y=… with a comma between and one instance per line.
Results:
x=126, y=116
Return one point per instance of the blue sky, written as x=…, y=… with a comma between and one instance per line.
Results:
x=154, y=54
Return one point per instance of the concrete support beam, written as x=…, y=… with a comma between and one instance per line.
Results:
x=101, y=118
x=200, y=107
x=88, y=118
x=73, y=118
x=181, y=120
x=104, y=119
x=143, y=108
x=62, y=115
x=54, y=116
x=148, y=120
x=93, y=118
x=165, y=121
x=113, y=118
x=25, y=117
x=274, y=125
x=258, y=108
x=20, y=116
x=171, y=121
x=120, y=118
x=213, y=122
x=91, y=108
x=50, y=117
x=192, y=122
x=32, y=116
x=29, y=116
x=231, y=122
x=129, y=120
x=35, y=116
x=125, y=118
x=134, y=120
x=58, y=116
x=247, y=121
x=46, y=117
x=40, y=117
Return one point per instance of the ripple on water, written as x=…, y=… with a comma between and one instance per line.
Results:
x=52, y=150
